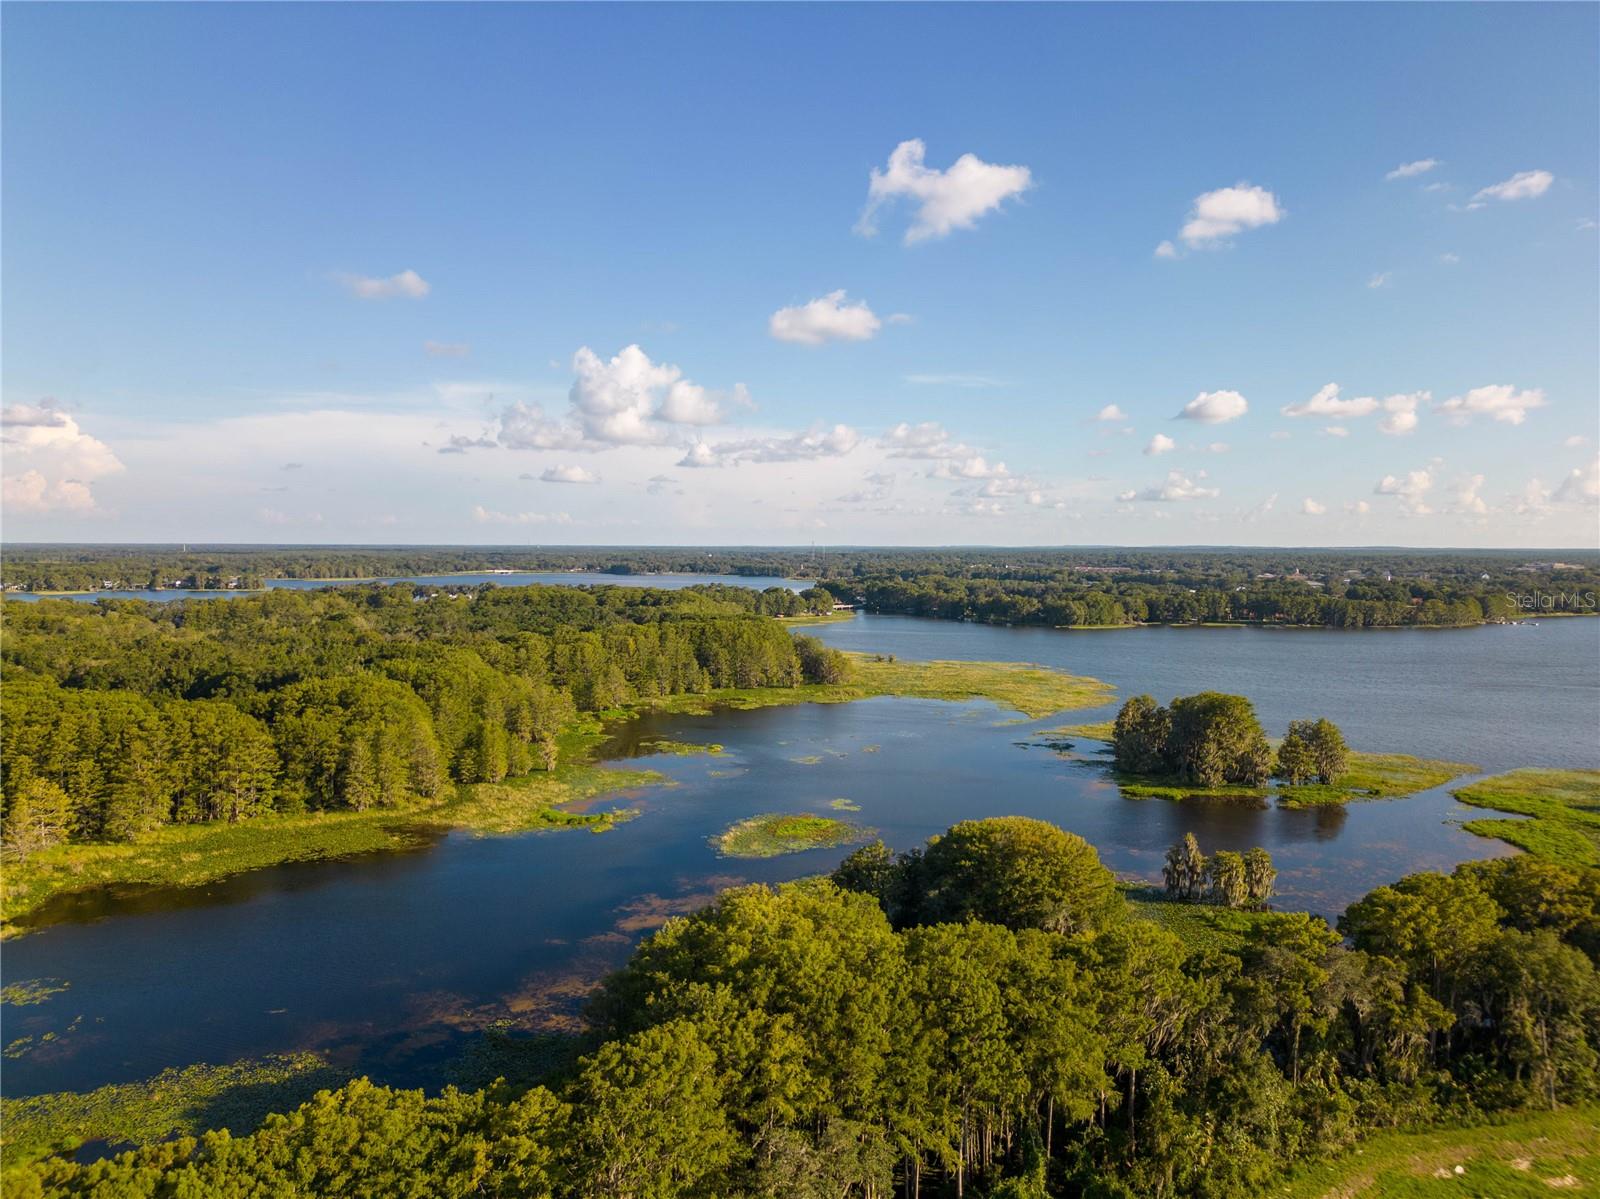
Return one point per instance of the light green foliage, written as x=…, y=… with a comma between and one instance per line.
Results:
x=774, y=833
x=1376, y=776
x=1019, y=872
x=1312, y=749
x=1564, y=806
x=32, y=991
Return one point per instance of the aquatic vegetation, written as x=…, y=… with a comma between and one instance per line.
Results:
x=773, y=833
x=32, y=991
x=1563, y=807
x=177, y=1102
x=1375, y=776
x=844, y=805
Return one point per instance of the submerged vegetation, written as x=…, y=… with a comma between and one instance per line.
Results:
x=774, y=833
x=1562, y=807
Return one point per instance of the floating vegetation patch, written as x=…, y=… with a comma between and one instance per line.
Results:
x=681, y=749
x=775, y=833
x=844, y=805
x=35, y=990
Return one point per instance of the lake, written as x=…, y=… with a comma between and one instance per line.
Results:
x=392, y=963
x=550, y=578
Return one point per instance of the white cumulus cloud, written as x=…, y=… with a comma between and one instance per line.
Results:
x=1178, y=487
x=1407, y=170
x=1582, y=485
x=1502, y=402
x=1524, y=185
x=1221, y=214
x=488, y=516
x=1215, y=407
x=830, y=318
x=50, y=463
x=407, y=285
x=1402, y=412
x=817, y=442
x=1160, y=444
x=1328, y=403
x=568, y=474
x=1111, y=413
x=945, y=200
x=1411, y=489
x=1310, y=507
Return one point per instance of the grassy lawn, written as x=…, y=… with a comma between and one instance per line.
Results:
x=1564, y=807
x=1551, y=1153
x=775, y=833
x=1376, y=776
x=179, y=1102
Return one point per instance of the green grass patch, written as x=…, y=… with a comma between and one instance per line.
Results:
x=679, y=749
x=1563, y=807
x=1151, y=786
x=844, y=805
x=1099, y=730
x=1548, y=1154
x=775, y=833
x=1198, y=925
x=1375, y=776
x=1033, y=691
x=179, y=1102
x=817, y=618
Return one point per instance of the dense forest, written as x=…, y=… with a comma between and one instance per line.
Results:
x=1065, y=587
x=988, y=1016
x=123, y=715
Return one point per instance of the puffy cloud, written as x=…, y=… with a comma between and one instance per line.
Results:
x=1160, y=444
x=927, y=439
x=1407, y=170
x=974, y=467
x=1221, y=214
x=1402, y=412
x=816, y=442
x=447, y=349
x=1466, y=499
x=626, y=400
x=1411, y=489
x=460, y=443
x=524, y=426
x=1502, y=401
x=1524, y=185
x=406, y=285
x=1327, y=403
x=1310, y=507
x=1111, y=413
x=1357, y=507
x=487, y=516
x=827, y=319
x=1215, y=407
x=1582, y=485
x=946, y=200
x=50, y=463
x=1335, y=431
x=568, y=474
x=1178, y=487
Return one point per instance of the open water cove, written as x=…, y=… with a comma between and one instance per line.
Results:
x=392, y=963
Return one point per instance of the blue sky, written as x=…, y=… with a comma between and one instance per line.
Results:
x=512, y=274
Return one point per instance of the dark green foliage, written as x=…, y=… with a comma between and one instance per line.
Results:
x=790, y=1042
x=146, y=714
x=1207, y=740
x=1313, y=749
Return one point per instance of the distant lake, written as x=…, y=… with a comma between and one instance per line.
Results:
x=552, y=578
x=391, y=963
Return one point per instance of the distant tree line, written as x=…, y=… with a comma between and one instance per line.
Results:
x=119, y=717
x=1006, y=1027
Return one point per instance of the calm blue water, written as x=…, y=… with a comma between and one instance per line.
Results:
x=391, y=963
x=554, y=578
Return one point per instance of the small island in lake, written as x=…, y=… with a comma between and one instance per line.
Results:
x=774, y=833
